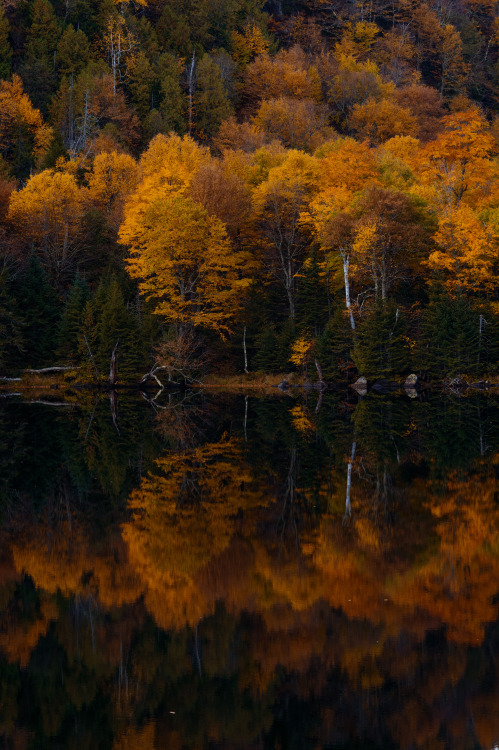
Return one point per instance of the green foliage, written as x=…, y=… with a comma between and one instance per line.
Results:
x=44, y=32
x=11, y=324
x=73, y=52
x=141, y=85
x=107, y=320
x=450, y=343
x=211, y=102
x=5, y=46
x=311, y=297
x=41, y=311
x=173, y=105
x=334, y=346
x=72, y=318
x=381, y=348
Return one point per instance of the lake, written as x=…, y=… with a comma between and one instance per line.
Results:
x=230, y=571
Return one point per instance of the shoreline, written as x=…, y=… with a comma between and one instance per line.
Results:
x=257, y=382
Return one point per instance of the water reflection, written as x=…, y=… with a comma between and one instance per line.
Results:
x=250, y=572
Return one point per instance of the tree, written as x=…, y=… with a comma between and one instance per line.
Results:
x=467, y=252
x=287, y=74
x=113, y=178
x=346, y=167
x=378, y=121
x=211, y=103
x=297, y=123
x=72, y=52
x=450, y=337
x=40, y=308
x=5, y=46
x=174, y=104
x=183, y=260
x=71, y=319
x=278, y=202
x=390, y=238
x=48, y=212
x=381, y=347
x=44, y=32
x=24, y=138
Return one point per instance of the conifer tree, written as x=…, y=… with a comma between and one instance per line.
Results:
x=43, y=35
x=5, y=46
x=451, y=331
x=71, y=320
x=11, y=323
x=173, y=106
x=212, y=104
x=381, y=347
x=41, y=311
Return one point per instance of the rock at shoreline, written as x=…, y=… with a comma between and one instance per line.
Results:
x=283, y=385
x=360, y=386
x=411, y=381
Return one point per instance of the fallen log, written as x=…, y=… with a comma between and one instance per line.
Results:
x=47, y=370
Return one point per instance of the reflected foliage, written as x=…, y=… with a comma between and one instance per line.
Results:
x=294, y=571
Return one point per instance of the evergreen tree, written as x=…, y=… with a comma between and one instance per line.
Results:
x=212, y=104
x=5, y=46
x=140, y=83
x=11, y=323
x=266, y=357
x=381, y=348
x=105, y=321
x=72, y=52
x=41, y=312
x=311, y=297
x=43, y=34
x=334, y=346
x=451, y=331
x=72, y=318
x=173, y=105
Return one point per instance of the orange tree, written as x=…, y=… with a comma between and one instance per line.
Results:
x=183, y=260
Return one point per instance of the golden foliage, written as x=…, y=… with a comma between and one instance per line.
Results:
x=17, y=112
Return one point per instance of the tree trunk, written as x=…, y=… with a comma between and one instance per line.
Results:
x=112, y=369
x=190, y=84
x=346, y=265
x=245, y=352
x=348, y=504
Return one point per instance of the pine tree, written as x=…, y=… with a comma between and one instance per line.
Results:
x=311, y=296
x=173, y=105
x=451, y=330
x=381, y=348
x=41, y=312
x=44, y=32
x=11, y=323
x=266, y=357
x=212, y=104
x=71, y=320
x=105, y=321
x=334, y=346
x=5, y=46
x=140, y=83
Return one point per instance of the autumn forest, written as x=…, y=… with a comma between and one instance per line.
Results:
x=240, y=185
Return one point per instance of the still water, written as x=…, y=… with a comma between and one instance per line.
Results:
x=250, y=572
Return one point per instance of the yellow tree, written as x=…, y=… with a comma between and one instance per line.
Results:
x=184, y=261
x=345, y=169
x=457, y=177
x=21, y=125
x=170, y=163
x=466, y=251
x=48, y=212
x=278, y=202
x=113, y=178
